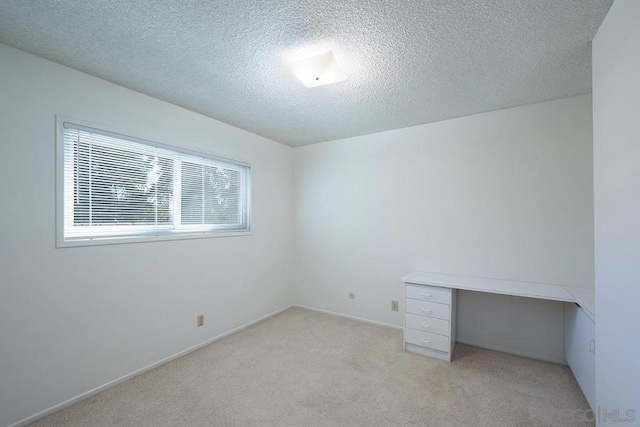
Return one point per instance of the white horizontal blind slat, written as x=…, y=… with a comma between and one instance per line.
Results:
x=114, y=186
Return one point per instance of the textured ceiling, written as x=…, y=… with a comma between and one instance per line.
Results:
x=408, y=62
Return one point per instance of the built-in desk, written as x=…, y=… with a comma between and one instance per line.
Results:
x=430, y=316
x=584, y=297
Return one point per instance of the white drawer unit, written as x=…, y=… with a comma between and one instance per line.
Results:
x=429, y=324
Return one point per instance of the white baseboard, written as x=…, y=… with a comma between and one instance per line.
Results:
x=359, y=319
x=130, y=375
x=475, y=344
x=137, y=372
x=517, y=353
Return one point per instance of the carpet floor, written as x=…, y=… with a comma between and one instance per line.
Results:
x=303, y=368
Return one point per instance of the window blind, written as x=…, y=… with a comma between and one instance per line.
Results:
x=116, y=186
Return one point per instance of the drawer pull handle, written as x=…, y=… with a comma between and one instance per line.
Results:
x=427, y=311
x=427, y=296
x=426, y=342
x=425, y=326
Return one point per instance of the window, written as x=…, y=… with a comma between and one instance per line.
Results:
x=117, y=188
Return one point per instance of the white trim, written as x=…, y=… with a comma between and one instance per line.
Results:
x=359, y=319
x=514, y=352
x=154, y=238
x=59, y=182
x=61, y=119
x=389, y=325
x=32, y=418
x=78, y=398
x=174, y=233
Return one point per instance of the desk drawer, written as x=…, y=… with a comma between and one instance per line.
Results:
x=429, y=293
x=425, y=339
x=427, y=324
x=429, y=309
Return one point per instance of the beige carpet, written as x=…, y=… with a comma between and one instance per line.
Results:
x=302, y=368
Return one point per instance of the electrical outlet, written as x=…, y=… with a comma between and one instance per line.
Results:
x=394, y=305
x=200, y=320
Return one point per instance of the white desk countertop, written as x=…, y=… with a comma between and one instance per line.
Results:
x=584, y=297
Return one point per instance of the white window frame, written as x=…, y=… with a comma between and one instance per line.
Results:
x=119, y=235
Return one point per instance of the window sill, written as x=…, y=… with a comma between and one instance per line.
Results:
x=60, y=243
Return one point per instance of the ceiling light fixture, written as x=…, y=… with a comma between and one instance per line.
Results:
x=318, y=70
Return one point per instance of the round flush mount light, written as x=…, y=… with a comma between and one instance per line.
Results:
x=318, y=70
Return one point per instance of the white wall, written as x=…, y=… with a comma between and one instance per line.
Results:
x=505, y=194
x=73, y=319
x=616, y=109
